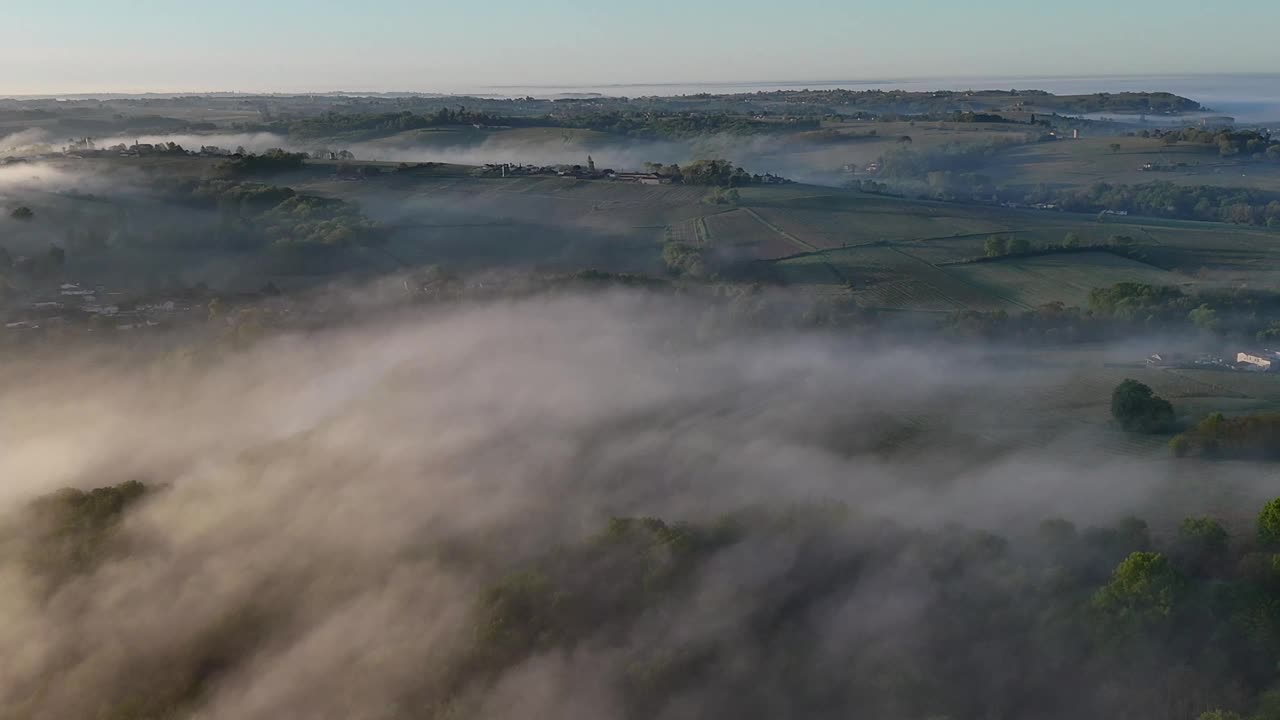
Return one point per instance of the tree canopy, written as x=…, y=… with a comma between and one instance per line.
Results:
x=1137, y=409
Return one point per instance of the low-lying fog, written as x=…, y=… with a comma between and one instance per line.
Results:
x=315, y=477
x=757, y=154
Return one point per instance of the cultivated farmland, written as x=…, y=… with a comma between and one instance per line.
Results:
x=742, y=234
x=1065, y=278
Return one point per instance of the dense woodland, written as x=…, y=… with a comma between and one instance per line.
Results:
x=1170, y=200
x=255, y=215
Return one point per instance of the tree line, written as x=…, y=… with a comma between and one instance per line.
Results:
x=1165, y=199
x=1124, y=308
x=1230, y=143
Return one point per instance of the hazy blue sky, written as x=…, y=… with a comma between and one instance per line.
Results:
x=254, y=45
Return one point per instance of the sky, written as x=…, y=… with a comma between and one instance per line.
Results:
x=68, y=46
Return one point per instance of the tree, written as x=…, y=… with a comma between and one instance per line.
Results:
x=216, y=311
x=1144, y=591
x=996, y=246
x=1204, y=317
x=1268, y=707
x=73, y=528
x=1115, y=147
x=57, y=256
x=683, y=259
x=1019, y=246
x=1137, y=409
x=722, y=196
x=22, y=213
x=1239, y=213
x=1202, y=542
x=1071, y=240
x=1269, y=525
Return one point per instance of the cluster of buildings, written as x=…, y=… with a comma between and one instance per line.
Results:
x=588, y=172
x=1173, y=360
x=642, y=178
x=1259, y=361
x=1030, y=206
x=515, y=170
x=1162, y=167
x=872, y=168
x=75, y=302
x=1264, y=361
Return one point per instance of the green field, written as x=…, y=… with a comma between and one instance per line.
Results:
x=743, y=234
x=886, y=278
x=1034, y=281
x=513, y=138
x=1262, y=387
x=886, y=252
x=1078, y=163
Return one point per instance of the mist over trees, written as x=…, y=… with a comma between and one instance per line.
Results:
x=634, y=569
x=1063, y=621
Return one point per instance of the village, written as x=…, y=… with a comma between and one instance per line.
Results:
x=71, y=303
x=655, y=174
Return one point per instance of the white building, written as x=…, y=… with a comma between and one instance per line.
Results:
x=1261, y=362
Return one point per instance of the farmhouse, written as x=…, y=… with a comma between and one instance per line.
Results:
x=1265, y=362
x=642, y=178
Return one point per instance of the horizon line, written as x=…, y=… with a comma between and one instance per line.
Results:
x=478, y=90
